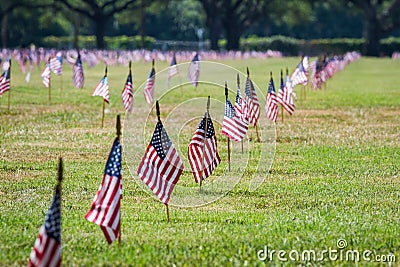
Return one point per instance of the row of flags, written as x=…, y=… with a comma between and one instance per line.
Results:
x=161, y=165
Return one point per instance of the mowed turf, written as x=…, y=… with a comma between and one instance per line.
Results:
x=335, y=175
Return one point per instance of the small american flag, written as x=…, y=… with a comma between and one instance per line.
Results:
x=284, y=97
x=46, y=75
x=271, y=106
x=173, y=68
x=47, y=248
x=56, y=65
x=161, y=166
x=105, y=210
x=78, y=78
x=252, y=103
x=203, y=154
x=241, y=107
x=102, y=89
x=194, y=70
x=149, y=87
x=5, y=81
x=127, y=93
x=233, y=127
x=300, y=74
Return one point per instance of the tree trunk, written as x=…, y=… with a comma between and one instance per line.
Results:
x=4, y=30
x=142, y=25
x=214, y=28
x=100, y=32
x=373, y=34
x=233, y=34
x=76, y=33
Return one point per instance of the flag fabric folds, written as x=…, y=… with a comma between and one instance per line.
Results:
x=300, y=74
x=102, y=89
x=241, y=107
x=5, y=81
x=161, y=165
x=173, y=68
x=56, y=64
x=149, y=87
x=47, y=248
x=78, y=77
x=203, y=154
x=46, y=75
x=105, y=209
x=233, y=127
x=271, y=105
x=284, y=97
x=194, y=70
x=127, y=93
x=252, y=103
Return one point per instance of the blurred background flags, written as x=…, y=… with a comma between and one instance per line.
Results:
x=173, y=68
x=56, y=64
x=46, y=75
x=161, y=165
x=78, y=78
x=102, y=89
x=300, y=74
x=5, y=80
x=127, y=92
x=203, y=154
x=271, y=105
x=194, y=70
x=149, y=87
x=252, y=103
x=105, y=209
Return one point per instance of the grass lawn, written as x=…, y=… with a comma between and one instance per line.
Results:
x=335, y=172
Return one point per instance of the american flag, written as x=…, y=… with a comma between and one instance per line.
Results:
x=300, y=74
x=5, y=81
x=78, y=78
x=105, y=210
x=284, y=97
x=203, y=154
x=46, y=75
x=161, y=166
x=194, y=70
x=56, y=65
x=241, y=107
x=127, y=93
x=271, y=106
x=102, y=89
x=233, y=127
x=149, y=87
x=173, y=68
x=47, y=248
x=252, y=103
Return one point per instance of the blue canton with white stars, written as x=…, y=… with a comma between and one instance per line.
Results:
x=210, y=127
x=160, y=140
x=229, y=110
x=52, y=222
x=114, y=162
x=271, y=86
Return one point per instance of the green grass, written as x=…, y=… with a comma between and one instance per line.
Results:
x=335, y=173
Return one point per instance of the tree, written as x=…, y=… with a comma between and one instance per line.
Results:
x=380, y=18
x=100, y=12
x=213, y=21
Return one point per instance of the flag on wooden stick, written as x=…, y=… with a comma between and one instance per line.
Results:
x=47, y=248
x=161, y=165
x=46, y=75
x=194, y=70
x=127, y=92
x=5, y=80
x=203, y=154
x=252, y=103
x=102, y=88
x=78, y=77
x=56, y=64
x=271, y=105
x=173, y=68
x=284, y=96
x=105, y=210
x=300, y=73
x=150, y=86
